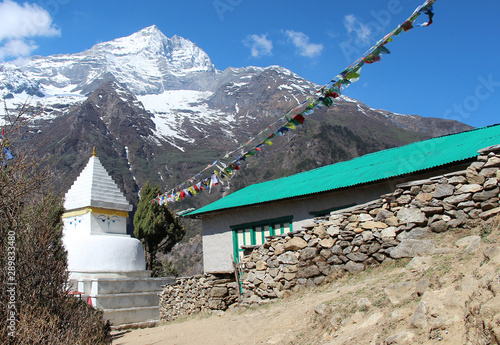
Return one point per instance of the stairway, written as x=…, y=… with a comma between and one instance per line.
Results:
x=125, y=300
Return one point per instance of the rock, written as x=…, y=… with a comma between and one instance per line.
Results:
x=308, y=253
x=486, y=150
x=428, y=188
x=488, y=172
x=473, y=177
x=367, y=236
x=457, y=199
x=404, y=199
x=280, y=249
x=326, y=254
x=457, y=180
x=379, y=257
x=327, y=242
x=337, y=250
x=383, y=214
x=485, y=195
x=439, y=226
x=414, y=234
x=319, y=280
x=388, y=233
x=466, y=204
x=364, y=303
x=321, y=309
x=419, y=317
x=308, y=272
x=260, y=265
x=392, y=221
x=288, y=258
x=405, y=337
x=489, y=204
x=295, y=244
x=469, y=188
x=419, y=263
x=372, y=321
x=320, y=231
x=490, y=183
x=399, y=292
x=374, y=247
x=357, y=256
x=411, y=248
x=492, y=162
x=333, y=230
x=430, y=210
x=411, y=215
x=443, y=190
x=354, y=267
x=489, y=213
x=414, y=190
x=370, y=225
x=424, y=197
x=470, y=243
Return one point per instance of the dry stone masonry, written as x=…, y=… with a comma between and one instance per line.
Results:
x=392, y=227
x=192, y=295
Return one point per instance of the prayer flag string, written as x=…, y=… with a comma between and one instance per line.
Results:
x=325, y=96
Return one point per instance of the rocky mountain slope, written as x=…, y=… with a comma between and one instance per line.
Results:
x=157, y=108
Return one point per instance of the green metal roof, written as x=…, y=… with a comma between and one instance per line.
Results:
x=372, y=167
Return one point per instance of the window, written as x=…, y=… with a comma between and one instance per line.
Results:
x=252, y=234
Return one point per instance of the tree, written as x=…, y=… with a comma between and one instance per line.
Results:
x=34, y=297
x=155, y=225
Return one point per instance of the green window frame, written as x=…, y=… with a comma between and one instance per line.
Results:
x=254, y=233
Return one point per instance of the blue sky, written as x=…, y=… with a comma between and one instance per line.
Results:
x=448, y=70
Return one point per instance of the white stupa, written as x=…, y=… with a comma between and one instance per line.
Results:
x=95, y=223
x=106, y=266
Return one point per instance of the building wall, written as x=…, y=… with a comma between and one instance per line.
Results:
x=218, y=254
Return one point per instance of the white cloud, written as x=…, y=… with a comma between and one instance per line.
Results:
x=301, y=41
x=259, y=45
x=17, y=47
x=353, y=24
x=19, y=23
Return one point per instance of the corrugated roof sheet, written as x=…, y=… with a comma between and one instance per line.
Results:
x=372, y=167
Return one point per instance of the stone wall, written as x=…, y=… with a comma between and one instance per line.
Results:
x=192, y=295
x=391, y=227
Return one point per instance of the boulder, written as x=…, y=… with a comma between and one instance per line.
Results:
x=473, y=177
x=308, y=272
x=295, y=244
x=288, y=258
x=308, y=253
x=411, y=215
x=443, y=190
x=354, y=267
x=493, y=161
x=327, y=242
x=469, y=188
x=486, y=194
x=411, y=248
x=439, y=226
x=457, y=199
x=490, y=183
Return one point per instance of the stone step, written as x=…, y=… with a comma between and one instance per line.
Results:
x=126, y=300
x=136, y=315
x=125, y=285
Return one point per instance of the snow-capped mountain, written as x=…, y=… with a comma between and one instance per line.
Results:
x=158, y=109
